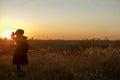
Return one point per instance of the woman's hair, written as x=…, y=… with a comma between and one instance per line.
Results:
x=19, y=31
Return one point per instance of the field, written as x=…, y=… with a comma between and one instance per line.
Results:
x=63, y=60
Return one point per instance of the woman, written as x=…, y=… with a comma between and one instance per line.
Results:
x=20, y=55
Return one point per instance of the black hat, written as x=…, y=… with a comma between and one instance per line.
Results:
x=19, y=31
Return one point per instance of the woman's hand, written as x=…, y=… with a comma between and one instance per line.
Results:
x=12, y=35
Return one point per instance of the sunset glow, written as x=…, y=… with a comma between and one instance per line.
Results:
x=62, y=19
x=6, y=34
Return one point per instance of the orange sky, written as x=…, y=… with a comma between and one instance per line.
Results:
x=62, y=19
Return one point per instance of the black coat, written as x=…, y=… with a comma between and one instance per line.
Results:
x=20, y=55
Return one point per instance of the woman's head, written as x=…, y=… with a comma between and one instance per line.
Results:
x=19, y=32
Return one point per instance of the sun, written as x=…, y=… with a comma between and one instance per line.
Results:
x=6, y=34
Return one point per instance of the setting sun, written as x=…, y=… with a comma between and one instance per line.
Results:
x=6, y=34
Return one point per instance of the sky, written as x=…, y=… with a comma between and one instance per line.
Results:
x=62, y=19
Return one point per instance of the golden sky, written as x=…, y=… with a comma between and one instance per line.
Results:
x=62, y=19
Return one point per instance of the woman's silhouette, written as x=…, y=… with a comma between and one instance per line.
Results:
x=20, y=55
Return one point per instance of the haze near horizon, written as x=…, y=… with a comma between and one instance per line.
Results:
x=62, y=19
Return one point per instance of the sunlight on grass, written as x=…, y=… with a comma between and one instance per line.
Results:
x=93, y=63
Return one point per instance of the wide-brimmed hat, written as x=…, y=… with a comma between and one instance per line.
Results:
x=19, y=31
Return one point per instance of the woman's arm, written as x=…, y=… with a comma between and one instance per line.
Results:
x=13, y=35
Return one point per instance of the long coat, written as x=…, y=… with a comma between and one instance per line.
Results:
x=20, y=55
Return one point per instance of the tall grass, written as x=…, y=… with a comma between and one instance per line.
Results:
x=64, y=61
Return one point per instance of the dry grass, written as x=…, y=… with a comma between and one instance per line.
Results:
x=44, y=64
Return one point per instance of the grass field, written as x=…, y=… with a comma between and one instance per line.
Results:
x=64, y=60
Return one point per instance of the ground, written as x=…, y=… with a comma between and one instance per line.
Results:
x=49, y=63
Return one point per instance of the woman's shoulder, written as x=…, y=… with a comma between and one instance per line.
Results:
x=24, y=37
